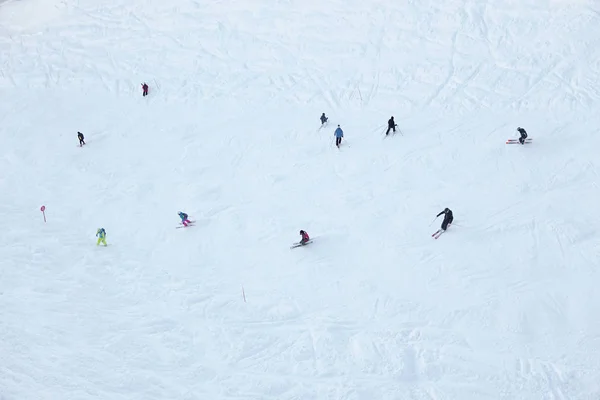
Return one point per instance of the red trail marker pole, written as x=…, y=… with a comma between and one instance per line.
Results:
x=43, y=210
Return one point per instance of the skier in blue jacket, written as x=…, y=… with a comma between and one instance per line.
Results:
x=339, y=134
x=184, y=218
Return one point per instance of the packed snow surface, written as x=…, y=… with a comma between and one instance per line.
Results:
x=504, y=305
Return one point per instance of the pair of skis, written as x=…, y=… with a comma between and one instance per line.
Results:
x=183, y=226
x=516, y=141
x=298, y=244
x=393, y=133
x=437, y=233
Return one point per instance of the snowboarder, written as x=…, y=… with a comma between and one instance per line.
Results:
x=339, y=134
x=184, y=218
x=391, y=126
x=101, y=234
x=305, y=237
x=523, y=133
x=323, y=119
x=144, y=89
x=80, y=137
x=448, y=218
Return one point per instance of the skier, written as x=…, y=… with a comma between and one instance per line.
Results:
x=305, y=237
x=523, y=133
x=448, y=218
x=184, y=218
x=80, y=137
x=391, y=126
x=339, y=134
x=101, y=234
x=323, y=119
x=144, y=89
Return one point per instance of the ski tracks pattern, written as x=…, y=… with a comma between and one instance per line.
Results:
x=335, y=357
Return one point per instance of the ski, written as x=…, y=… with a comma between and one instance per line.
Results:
x=437, y=234
x=179, y=227
x=298, y=244
x=513, y=141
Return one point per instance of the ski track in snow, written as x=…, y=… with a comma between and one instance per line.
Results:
x=502, y=306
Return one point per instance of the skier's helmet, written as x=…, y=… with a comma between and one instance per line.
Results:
x=301, y=232
x=446, y=209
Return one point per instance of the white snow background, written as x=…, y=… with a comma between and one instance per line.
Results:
x=504, y=305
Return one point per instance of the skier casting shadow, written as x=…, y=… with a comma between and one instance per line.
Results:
x=391, y=126
x=448, y=218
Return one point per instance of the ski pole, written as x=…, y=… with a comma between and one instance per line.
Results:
x=433, y=221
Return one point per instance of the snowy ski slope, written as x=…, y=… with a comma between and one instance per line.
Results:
x=504, y=305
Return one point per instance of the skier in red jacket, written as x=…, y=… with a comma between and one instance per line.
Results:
x=305, y=237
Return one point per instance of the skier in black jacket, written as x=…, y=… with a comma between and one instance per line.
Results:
x=391, y=126
x=448, y=218
x=523, y=133
x=80, y=137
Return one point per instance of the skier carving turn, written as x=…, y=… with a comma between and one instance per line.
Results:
x=448, y=218
x=304, y=241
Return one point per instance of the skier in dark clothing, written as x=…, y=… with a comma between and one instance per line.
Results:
x=391, y=126
x=144, y=89
x=448, y=218
x=323, y=119
x=80, y=137
x=523, y=133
